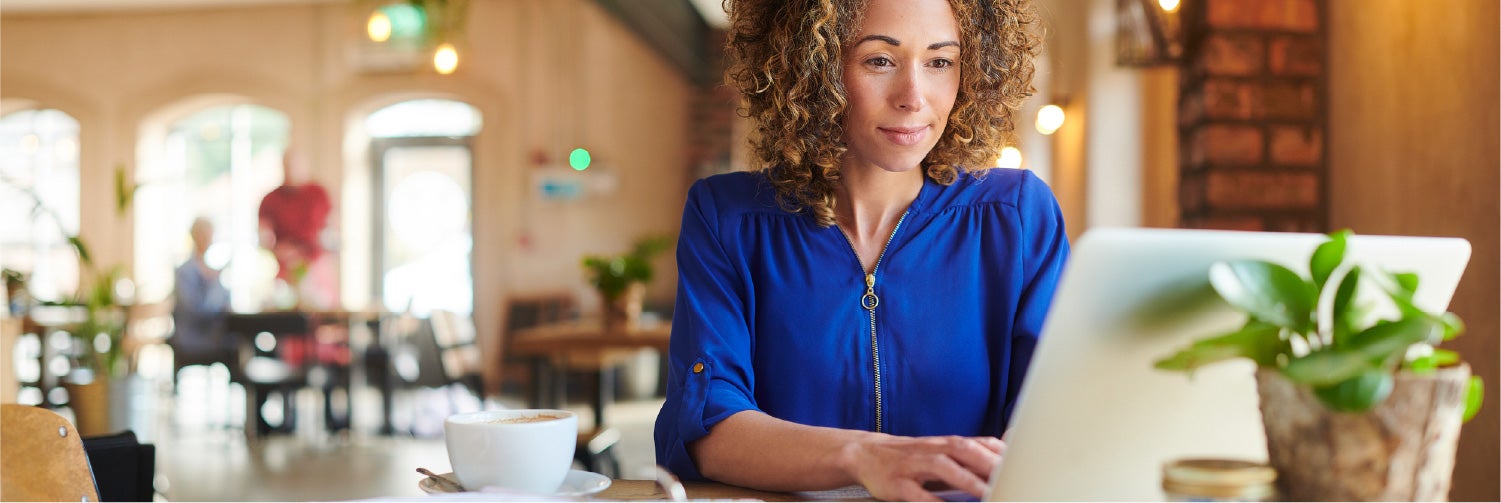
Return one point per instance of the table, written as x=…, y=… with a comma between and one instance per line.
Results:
x=641, y=490
x=586, y=344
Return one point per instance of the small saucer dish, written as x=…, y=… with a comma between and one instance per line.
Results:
x=576, y=484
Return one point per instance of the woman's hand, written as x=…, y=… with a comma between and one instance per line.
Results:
x=896, y=468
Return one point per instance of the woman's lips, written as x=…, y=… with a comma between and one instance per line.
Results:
x=904, y=136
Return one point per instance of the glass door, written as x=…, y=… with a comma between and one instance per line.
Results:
x=424, y=238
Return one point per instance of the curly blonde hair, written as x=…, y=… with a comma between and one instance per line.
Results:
x=785, y=59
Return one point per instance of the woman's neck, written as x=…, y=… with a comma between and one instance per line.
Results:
x=871, y=201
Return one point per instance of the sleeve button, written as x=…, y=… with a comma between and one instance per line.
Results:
x=698, y=368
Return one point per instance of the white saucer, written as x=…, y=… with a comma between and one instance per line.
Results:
x=577, y=483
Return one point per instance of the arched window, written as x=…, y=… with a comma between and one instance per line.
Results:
x=216, y=163
x=39, y=202
x=422, y=191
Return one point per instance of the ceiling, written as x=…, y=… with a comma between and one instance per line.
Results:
x=91, y=5
x=711, y=10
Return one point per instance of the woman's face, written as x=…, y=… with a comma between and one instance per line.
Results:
x=901, y=76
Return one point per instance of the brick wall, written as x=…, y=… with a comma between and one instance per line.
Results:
x=713, y=116
x=1251, y=116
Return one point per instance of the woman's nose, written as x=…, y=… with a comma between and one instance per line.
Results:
x=908, y=92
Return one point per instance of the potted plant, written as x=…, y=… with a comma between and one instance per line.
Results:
x=621, y=280
x=1354, y=408
x=100, y=366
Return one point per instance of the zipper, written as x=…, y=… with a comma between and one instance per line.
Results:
x=869, y=301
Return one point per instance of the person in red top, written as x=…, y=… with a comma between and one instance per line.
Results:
x=292, y=220
x=296, y=214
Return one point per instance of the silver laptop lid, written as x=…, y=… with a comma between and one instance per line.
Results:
x=1095, y=421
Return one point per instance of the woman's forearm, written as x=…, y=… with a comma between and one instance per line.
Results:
x=752, y=449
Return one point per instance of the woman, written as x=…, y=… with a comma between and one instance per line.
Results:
x=863, y=309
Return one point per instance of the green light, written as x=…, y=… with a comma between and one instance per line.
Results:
x=579, y=159
x=407, y=21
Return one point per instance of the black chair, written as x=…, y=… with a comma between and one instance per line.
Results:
x=264, y=372
x=124, y=469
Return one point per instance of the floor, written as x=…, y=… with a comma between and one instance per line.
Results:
x=204, y=455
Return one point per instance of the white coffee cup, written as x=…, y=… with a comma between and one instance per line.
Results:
x=528, y=450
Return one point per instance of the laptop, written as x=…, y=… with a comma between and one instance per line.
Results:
x=1094, y=420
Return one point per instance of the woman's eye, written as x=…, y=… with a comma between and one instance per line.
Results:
x=942, y=63
x=879, y=61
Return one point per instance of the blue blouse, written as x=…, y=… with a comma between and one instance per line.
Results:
x=769, y=312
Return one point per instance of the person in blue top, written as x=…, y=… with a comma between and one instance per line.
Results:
x=200, y=305
x=862, y=310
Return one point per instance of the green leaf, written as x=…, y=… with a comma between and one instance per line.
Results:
x=124, y=193
x=1407, y=282
x=1428, y=363
x=1327, y=257
x=1344, y=316
x=82, y=249
x=1444, y=357
x=1356, y=394
x=1474, y=397
x=1453, y=326
x=1256, y=341
x=1269, y=292
x=1375, y=344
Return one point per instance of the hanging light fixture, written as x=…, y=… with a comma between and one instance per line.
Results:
x=1011, y=157
x=445, y=58
x=1049, y=119
x=405, y=33
x=378, y=27
x=1148, y=33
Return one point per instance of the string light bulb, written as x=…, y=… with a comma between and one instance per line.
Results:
x=1049, y=119
x=1011, y=158
x=446, y=59
x=1169, y=5
x=379, y=26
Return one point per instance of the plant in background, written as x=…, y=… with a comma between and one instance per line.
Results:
x=103, y=328
x=613, y=275
x=1316, y=333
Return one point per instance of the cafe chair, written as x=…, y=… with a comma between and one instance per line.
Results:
x=420, y=361
x=522, y=375
x=124, y=468
x=264, y=373
x=458, y=354
x=42, y=457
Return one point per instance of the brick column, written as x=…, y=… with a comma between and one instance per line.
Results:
x=712, y=116
x=1251, y=116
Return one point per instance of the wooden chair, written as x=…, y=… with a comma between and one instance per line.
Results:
x=42, y=457
x=520, y=374
x=457, y=350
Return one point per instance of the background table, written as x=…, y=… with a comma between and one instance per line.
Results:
x=583, y=344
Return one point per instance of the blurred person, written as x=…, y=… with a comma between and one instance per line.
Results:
x=293, y=217
x=862, y=309
x=200, y=305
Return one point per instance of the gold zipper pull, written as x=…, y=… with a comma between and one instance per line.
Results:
x=869, y=301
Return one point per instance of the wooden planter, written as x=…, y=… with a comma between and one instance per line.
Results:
x=624, y=312
x=1403, y=450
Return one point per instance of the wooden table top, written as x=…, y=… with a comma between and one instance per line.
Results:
x=644, y=490
x=588, y=335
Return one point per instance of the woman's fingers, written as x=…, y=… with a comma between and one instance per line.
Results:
x=995, y=445
x=972, y=454
x=945, y=469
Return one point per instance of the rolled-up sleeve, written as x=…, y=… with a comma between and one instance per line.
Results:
x=710, y=376
x=1046, y=252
